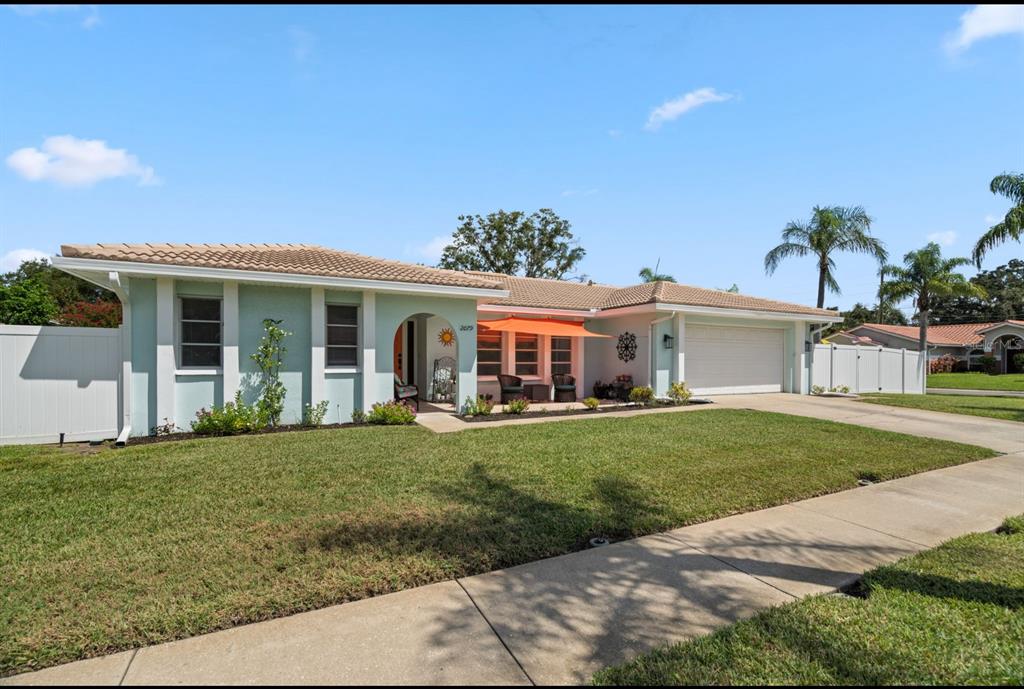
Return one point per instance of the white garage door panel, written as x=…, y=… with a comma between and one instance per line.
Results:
x=722, y=359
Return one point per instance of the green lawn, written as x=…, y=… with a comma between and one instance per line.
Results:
x=977, y=381
x=951, y=615
x=1009, y=408
x=127, y=547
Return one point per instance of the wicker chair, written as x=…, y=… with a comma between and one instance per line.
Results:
x=565, y=387
x=405, y=392
x=511, y=387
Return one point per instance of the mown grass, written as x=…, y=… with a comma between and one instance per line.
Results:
x=952, y=615
x=123, y=548
x=977, y=381
x=1007, y=408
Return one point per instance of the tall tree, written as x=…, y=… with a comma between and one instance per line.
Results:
x=1010, y=185
x=27, y=302
x=1005, y=300
x=539, y=245
x=831, y=230
x=649, y=275
x=925, y=275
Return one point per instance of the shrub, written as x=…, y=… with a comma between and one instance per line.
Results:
x=961, y=366
x=313, y=414
x=817, y=389
x=87, y=314
x=944, y=364
x=269, y=356
x=1018, y=362
x=591, y=403
x=358, y=416
x=641, y=395
x=166, y=428
x=840, y=388
x=517, y=405
x=679, y=393
x=988, y=364
x=26, y=303
x=481, y=407
x=393, y=413
x=231, y=419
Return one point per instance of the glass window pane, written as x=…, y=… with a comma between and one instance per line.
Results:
x=526, y=356
x=342, y=335
x=200, y=355
x=561, y=343
x=489, y=356
x=342, y=315
x=561, y=356
x=342, y=356
x=488, y=369
x=526, y=369
x=200, y=309
x=524, y=341
x=194, y=333
x=561, y=368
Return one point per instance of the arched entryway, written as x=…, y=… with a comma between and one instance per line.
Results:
x=425, y=354
x=1012, y=347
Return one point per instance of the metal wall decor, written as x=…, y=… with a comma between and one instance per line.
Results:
x=446, y=337
x=626, y=346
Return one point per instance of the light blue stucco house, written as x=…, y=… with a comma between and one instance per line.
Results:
x=193, y=315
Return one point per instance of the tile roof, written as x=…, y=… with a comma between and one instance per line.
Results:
x=958, y=335
x=301, y=259
x=307, y=259
x=535, y=292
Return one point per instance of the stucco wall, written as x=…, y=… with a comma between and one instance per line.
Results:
x=142, y=296
x=602, y=362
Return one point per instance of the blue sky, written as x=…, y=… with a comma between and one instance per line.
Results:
x=689, y=134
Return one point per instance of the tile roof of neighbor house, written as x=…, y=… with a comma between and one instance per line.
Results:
x=307, y=259
x=958, y=335
x=301, y=259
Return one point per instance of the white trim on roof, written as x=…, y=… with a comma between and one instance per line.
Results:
x=1002, y=324
x=718, y=311
x=931, y=343
x=537, y=310
x=133, y=268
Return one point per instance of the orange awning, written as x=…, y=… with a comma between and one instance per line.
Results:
x=539, y=326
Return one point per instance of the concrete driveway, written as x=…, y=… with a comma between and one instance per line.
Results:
x=998, y=435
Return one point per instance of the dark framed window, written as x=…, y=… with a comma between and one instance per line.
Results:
x=201, y=329
x=488, y=353
x=561, y=355
x=342, y=335
x=527, y=350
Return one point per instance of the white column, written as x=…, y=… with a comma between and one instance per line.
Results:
x=680, y=348
x=508, y=353
x=578, y=346
x=230, y=367
x=800, y=358
x=165, y=360
x=318, y=337
x=368, y=360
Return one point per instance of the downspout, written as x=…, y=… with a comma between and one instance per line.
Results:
x=121, y=290
x=651, y=370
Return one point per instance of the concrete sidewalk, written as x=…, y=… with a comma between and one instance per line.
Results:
x=556, y=621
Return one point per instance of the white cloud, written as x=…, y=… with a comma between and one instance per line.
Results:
x=74, y=162
x=985, y=21
x=12, y=259
x=579, y=192
x=992, y=219
x=431, y=251
x=677, y=107
x=303, y=43
x=947, y=238
x=91, y=20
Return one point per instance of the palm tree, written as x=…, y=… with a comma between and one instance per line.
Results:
x=830, y=230
x=1010, y=185
x=926, y=274
x=648, y=275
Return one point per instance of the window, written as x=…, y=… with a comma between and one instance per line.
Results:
x=526, y=354
x=200, y=332
x=561, y=355
x=342, y=335
x=488, y=353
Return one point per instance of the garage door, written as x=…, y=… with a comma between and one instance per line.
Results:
x=722, y=360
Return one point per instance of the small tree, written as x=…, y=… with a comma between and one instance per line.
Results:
x=27, y=302
x=268, y=357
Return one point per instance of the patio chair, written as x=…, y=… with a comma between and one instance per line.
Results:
x=443, y=380
x=405, y=392
x=565, y=387
x=511, y=387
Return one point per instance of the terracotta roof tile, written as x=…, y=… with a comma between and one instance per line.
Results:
x=301, y=259
x=962, y=334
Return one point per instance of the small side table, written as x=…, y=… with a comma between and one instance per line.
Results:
x=538, y=392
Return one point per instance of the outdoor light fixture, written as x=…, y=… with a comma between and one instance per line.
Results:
x=667, y=340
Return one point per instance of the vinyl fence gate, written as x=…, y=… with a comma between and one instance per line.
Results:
x=869, y=369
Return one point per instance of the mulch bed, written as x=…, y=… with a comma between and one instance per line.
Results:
x=607, y=409
x=286, y=428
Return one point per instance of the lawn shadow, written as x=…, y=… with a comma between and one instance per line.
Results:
x=937, y=586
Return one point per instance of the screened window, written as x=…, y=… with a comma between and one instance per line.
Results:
x=526, y=354
x=561, y=355
x=342, y=335
x=200, y=332
x=488, y=353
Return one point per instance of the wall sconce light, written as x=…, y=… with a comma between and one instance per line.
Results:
x=667, y=341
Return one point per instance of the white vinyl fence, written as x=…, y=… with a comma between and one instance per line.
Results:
x=869, y=369
x=58, y=380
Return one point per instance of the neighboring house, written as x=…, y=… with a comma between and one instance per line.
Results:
x=845, y=337
x=965, y=341
x=193, y=314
